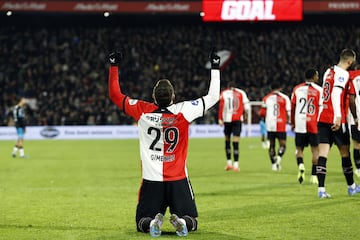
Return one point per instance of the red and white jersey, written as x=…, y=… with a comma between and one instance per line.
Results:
x=306, y=101
x=163, y=133
x=354, y=89
x=276, y=108
x=233, y=102
x=334, y=77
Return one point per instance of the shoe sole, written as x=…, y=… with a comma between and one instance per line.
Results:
x=179, y=228
x=325, y=196
x=155, y=230
x=227, y=168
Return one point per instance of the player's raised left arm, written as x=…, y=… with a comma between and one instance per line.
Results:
x=115, y=93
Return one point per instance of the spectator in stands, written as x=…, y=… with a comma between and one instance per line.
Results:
x=40, y=59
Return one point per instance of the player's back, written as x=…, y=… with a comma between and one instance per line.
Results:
x=231, y=106
x=163, y=136
x=277, y=107
x=19, y=116
x=306, y=99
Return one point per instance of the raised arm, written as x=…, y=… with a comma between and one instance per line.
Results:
x=115, y=93
x=214, y=89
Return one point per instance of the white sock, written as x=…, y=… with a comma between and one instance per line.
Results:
x=236, y=164
x=22, y=152
x=321, y=189
x=301, y=166
x=353, y=186
x=15, y=150
x=152, y=222
x=229, y=162
x=182, y=221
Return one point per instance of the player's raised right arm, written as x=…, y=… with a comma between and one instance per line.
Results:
x=115, y=93
x=214, y=89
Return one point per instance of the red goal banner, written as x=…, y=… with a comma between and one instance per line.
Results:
x=252, y=10
x=234, y=10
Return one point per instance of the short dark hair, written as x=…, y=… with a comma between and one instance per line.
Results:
x=310, y=73
x=347, y=53
x=163, y=92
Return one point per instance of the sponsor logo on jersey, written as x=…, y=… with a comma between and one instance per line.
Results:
x=161, y=120
x=341, y=79
x=132, y=101
x=195, y=102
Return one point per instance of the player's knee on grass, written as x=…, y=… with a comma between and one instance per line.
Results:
x=143, y=225
x=191, y=223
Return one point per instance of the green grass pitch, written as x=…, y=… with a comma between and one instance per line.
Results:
x=88, y=190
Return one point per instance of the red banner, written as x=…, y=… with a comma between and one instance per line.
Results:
x=252, y=10
x=331, y=6
x=101, y=6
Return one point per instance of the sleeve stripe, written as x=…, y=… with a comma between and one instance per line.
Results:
x=339, y=86
x=124, y=101
x=203, y=102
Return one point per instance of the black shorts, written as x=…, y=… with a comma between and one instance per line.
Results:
x=232, y=128
x=304, y=139
x=278, y=135
x=155, y=197
x=340, y=137
x=355, y=133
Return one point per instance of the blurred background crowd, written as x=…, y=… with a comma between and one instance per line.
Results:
x=62, y=64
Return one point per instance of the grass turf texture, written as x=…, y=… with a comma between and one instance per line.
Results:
x=88, y=190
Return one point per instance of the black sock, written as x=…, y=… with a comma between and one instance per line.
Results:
x=357, y=158
x=313, y=170
x=144, y=224
x=299, y=160
x=236, y=151
x=347, y=170
x=272, y=155
x=281, y=150
x=321, y=171
x=228, y=150
x=191, y=223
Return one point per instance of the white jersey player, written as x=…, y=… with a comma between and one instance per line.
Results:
x=233, y=105
x=163, y=135
x=306, y=102
x=332, y=122
x=276, y=112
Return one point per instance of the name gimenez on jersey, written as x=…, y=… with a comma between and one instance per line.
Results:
x=161, y=158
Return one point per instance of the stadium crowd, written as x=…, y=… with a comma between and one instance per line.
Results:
x=63, y=67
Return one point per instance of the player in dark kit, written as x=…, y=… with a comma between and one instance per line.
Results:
x=163, y=136
x=18, y=113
